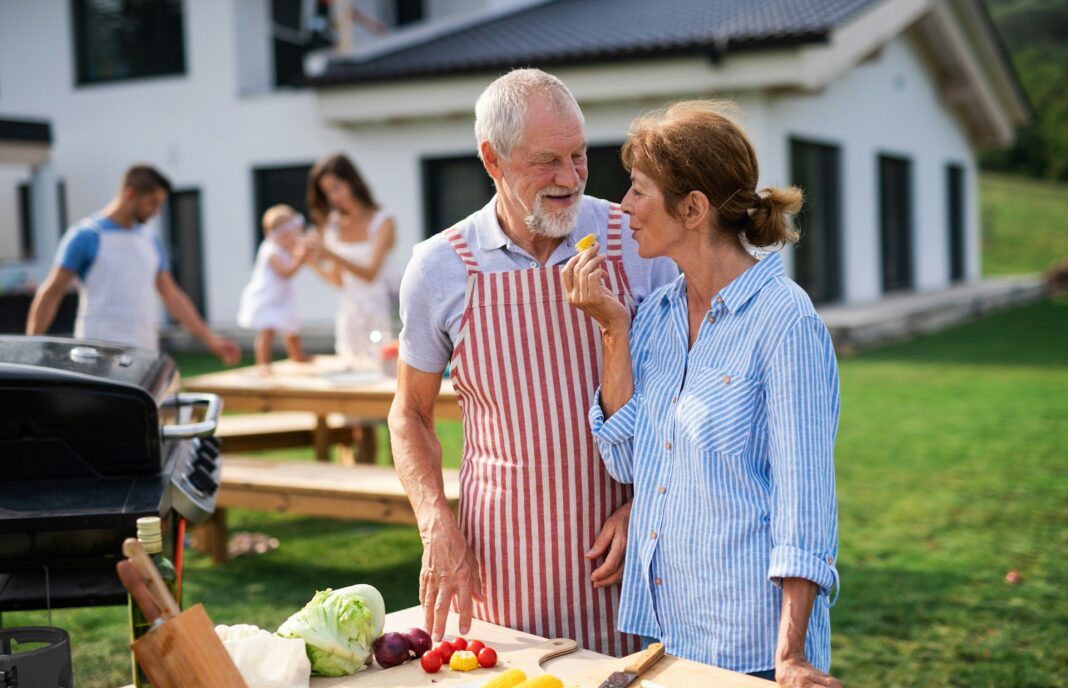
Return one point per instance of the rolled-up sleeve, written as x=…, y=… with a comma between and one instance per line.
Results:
x=615, y=436
x=803, y=408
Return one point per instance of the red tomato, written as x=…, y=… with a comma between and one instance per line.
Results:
x=431, y=661
x=445, y=649
x=487, y=657
x=459, y=644
x=476, y=646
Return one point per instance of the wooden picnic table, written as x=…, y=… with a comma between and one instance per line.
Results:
x=322, y=387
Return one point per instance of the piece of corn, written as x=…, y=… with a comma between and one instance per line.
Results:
x=463, y=660
x=543, y=681
x=508, y=679
x=586, y=241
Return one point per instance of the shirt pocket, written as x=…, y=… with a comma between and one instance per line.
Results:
x=717, y=411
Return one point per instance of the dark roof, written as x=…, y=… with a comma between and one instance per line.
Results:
x=584, y=31
x=35, y=131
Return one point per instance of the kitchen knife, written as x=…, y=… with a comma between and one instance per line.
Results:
x=135, y=585
x=168, y=607
x=641, y=664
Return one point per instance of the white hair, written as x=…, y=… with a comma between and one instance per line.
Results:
x=502, y=107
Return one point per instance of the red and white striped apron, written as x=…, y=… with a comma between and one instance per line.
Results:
x=534, y=493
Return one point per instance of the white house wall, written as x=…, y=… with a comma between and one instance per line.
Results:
x=888, y=104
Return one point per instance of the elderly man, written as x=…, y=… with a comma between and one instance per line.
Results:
x=537, y=508
x=119, y=265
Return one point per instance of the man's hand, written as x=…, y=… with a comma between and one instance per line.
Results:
x=613, y=540
x=450, y=573
x=796, y=672
x=226, y=349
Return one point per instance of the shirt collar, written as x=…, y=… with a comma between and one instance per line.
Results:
x=743, y=288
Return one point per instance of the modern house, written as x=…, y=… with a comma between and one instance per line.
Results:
x=877, y=108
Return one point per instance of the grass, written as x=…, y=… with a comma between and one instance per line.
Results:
x=951, y=472
x=1024, y=224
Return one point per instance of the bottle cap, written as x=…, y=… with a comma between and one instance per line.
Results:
x=150, y=534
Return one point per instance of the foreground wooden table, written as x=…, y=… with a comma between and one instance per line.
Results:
x=581, y=669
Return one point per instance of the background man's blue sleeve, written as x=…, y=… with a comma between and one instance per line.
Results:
x=77, y=250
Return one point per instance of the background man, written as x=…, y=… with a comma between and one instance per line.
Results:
x=119, y=265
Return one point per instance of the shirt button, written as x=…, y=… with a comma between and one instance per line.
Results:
x=719, y=299
x=658, y=581
x=674, y=400
x=652, y=534
x=533, y=264
x=661, y=489
x=711, y=319
x=830, y=560
x=726, y=379
x=667, y=445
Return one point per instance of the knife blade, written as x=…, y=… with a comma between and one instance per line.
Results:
x=136, y=554
x=135, y=585
x=646, y=659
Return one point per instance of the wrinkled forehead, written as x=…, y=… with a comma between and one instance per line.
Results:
x=552, y=125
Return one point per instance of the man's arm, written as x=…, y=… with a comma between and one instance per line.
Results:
x=46, y=300
x=450, y=570
x=792, y=669
x=183, y=310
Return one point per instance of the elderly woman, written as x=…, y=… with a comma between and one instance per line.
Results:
x=720, y=404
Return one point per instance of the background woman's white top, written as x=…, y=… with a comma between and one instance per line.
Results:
x=268, y=302
x=365, y=306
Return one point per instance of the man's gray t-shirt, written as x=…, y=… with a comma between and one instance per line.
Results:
x=432, y=289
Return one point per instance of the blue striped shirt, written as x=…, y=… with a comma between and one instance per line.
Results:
x=730, y=447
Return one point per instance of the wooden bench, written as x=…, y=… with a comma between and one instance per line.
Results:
x=364, y=493
x=283, y=429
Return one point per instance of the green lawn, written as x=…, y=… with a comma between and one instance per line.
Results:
x=952, y=471
x=1024, y=224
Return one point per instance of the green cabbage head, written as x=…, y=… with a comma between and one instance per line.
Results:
x=339, y=628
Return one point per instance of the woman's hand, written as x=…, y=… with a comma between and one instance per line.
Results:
x=796, y=672
x=584, y=281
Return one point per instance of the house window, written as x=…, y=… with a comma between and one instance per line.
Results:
x=895, y=222
x=26, y=229
x=182, y=232
x=115, y=40
x=407, y=11
x=298, y=28
x=955, y=220
x=274, y=185
x=816, y=168
x=455, y=187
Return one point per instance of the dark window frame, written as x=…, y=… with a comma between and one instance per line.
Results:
x=83, y=76
x=197, y=293
x=599, y=153
x=956, y=221
x=831, y=244
x=903, y=276
x=260, y=203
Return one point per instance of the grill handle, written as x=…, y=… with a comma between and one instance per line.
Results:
x=205, y=427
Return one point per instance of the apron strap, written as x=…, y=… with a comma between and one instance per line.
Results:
x=462, y=249
x=614, y=234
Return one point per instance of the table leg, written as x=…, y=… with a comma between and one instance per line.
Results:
x=322, y=439
x=213, y=538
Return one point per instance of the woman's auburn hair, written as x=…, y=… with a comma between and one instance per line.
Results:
x=696, y=145
x=341, y=167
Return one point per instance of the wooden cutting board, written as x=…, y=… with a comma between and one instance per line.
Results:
x=671, y=672
x=411, y=674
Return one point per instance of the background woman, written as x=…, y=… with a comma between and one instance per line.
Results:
x=357, y=236
x=720, y=404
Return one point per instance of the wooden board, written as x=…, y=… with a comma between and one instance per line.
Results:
x=671, y=672
x=258, y=431
x=514, y=649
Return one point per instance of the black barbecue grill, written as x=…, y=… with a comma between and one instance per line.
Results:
x=92, y=437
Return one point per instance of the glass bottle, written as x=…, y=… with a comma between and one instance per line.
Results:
x=150, y=535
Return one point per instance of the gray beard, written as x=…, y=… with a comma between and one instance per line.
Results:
x=545, y=224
